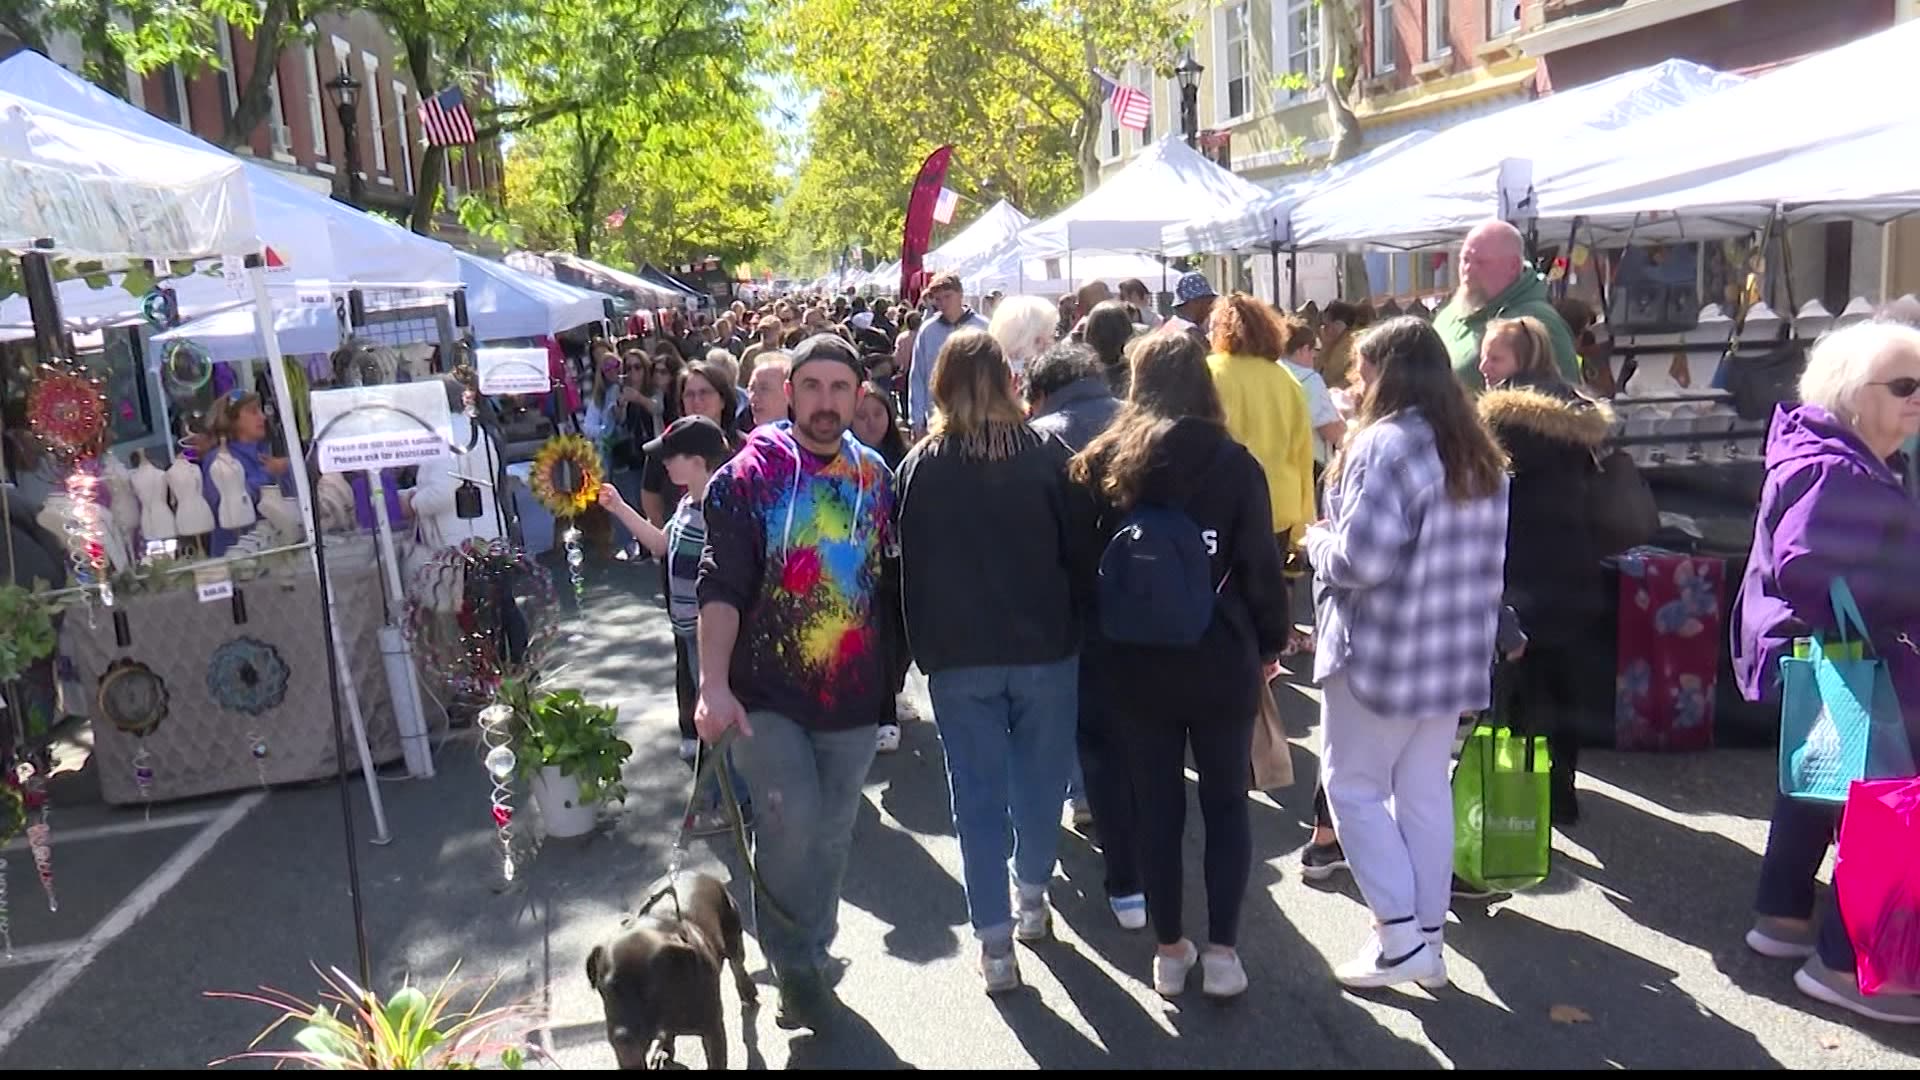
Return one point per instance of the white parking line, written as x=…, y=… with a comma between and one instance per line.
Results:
x=45, y=953
x=123, y=828
x=35, y=998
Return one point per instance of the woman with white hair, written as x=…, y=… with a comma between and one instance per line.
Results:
x=1832, y=507
x=1025, y=327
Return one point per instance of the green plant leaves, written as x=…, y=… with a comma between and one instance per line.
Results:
x=564, y=730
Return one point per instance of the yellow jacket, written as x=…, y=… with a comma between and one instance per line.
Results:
x=1267, y=413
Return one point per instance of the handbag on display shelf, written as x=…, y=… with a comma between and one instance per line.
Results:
x=1839, y=720
x=1876, y=882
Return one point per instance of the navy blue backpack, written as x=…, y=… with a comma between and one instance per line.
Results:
x=1156, y=579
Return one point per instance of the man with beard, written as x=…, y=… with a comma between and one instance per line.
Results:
x=798, y=590
x=1497, y=283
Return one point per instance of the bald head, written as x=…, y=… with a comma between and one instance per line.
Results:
x=1490, y=261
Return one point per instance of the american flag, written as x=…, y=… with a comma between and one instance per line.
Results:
x=1132, y=109
x=617, y=218
x=445, y=119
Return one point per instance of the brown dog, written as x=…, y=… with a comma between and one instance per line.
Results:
x=660, y=978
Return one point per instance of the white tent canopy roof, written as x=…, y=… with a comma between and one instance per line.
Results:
x=1724, y=163
x=985, y=234
x=1435, y=192
x=1269, y=220
x=503, y=302
x=1166, y=183
x=1012, y=272
x=638, y=288
x=100, y=193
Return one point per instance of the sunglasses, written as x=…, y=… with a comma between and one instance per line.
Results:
x=1903, y=387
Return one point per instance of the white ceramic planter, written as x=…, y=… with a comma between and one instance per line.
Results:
x=560, y=804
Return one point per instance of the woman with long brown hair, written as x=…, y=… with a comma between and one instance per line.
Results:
x=1169, y=450
x=1407, y=589
x=986, y=523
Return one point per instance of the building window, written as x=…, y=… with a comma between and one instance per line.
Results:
x=376, y=124
x=404, y=130
x=279, y=138
x=316, y=112
x=1142, y=79
x=1302, y=41
x=173, y=95
x=1503, y=17
x=1439, y=34
x=229, y=86
x=1112, y=134
x=1382, y=36
x=1236, y=60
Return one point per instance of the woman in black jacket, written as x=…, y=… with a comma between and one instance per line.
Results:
x=1554, y=584
x=1169, y=447
x=986, y=527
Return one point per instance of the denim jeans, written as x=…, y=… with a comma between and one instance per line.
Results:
x=1796, y=845
x=1008, y=733
x=807, y=790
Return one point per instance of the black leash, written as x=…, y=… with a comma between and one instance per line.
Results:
x=711, y=761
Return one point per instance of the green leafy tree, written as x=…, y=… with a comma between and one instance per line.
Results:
x=121, y=34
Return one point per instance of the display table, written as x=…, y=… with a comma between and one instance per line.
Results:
x=208, y=742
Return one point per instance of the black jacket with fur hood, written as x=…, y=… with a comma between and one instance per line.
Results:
x=1551, y=432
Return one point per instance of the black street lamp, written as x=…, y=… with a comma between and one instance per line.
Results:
x=346, y=101
x=1189, y=73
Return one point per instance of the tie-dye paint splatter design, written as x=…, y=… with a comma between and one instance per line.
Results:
x=797, y=543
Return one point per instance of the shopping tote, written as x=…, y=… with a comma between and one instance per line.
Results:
x=1839, y=720
x=1876, y=880
x=1502, y=830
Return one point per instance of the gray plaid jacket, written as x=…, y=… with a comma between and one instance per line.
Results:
x=1407, y=581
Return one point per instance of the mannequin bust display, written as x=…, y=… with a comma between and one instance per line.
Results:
x=192, y=514
x=229, y=479
x=150, y=487
x=281, y=515
x=126, y=505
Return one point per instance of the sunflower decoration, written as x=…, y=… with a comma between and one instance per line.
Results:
x=566, y=475
x=67, y=410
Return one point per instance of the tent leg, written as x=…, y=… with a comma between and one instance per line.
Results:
x=1293, y=281
x=408, y=710
x=1273, y=252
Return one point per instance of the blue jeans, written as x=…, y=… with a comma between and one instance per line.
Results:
x=807, y=789
x=1008, y=733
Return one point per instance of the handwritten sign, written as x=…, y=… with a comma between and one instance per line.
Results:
x=513, y=371
x=382, y=427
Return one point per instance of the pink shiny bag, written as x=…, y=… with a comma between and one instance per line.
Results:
x=1876, y=877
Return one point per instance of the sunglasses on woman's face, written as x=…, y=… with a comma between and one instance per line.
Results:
x=1903, y=387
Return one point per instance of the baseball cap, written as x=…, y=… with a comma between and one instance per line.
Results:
x=825, y=347
x=693, y=435
x=1193, y=286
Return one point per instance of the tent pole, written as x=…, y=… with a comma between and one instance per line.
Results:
x=1273, y=252
x=411, y=720
x=1293, y=280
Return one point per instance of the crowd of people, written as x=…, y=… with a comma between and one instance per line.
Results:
x=1083, y=522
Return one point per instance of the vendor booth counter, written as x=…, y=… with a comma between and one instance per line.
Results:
x=247, y=702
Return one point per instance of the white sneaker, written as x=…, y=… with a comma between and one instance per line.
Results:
x=1002, y=972
x=1221, y=975
x=1129, y=911
x=1371, y=969
x=889, y=738
x=1033, y=919
x=1170, y=972
x=689, y=750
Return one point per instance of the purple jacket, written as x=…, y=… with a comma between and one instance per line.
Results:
x=1828, y=509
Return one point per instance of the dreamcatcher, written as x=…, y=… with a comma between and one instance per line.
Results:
x=247, y=675
x=455, y=618
x=67, y=413
x=358, y=363
x=134, y=700
x=566, y=480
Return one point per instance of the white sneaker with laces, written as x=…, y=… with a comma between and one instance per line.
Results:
x=1002, y=972
x=1222, y=976
x=1170, y=972
x=1374, y=967
x=889, y=738
x=1033, y=918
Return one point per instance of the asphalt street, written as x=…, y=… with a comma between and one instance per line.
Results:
x=1628, y=957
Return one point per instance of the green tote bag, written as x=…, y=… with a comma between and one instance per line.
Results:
x=1502, y=828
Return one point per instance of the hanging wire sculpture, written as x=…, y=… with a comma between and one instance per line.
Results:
x=496, y=722
x=67, y=410
x=13, y=818
x=456, y=620
x=40, y=833
x=566, y=480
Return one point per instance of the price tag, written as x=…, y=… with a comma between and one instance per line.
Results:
x=233, y=270
x=213, y=584
x=314, y=293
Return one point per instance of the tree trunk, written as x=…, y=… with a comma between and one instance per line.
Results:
x=1089, y=144
x=1339, y=73
x=426, y=188
x=18, y=20
x=256, y=97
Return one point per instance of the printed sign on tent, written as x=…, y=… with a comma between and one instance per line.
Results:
x=513, y=371
x=380, y=427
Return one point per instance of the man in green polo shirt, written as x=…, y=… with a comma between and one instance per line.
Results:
x=1496, y=283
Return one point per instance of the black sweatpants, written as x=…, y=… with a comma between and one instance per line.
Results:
x=1542, y=696
x=1169, y=702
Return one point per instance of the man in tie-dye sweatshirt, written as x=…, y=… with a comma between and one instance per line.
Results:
x=797, y=590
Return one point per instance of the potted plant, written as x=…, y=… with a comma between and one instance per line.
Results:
x=570, y=750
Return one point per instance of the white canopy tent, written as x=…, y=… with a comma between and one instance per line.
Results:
x=600, y=275
x=885, y=277
x=79, y=189
x=983, y=236
x=1433, y=193
x=1011, y=271
x=1167, y=183
x=308, y=238
x=1268, y=221
x=1722, y=165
